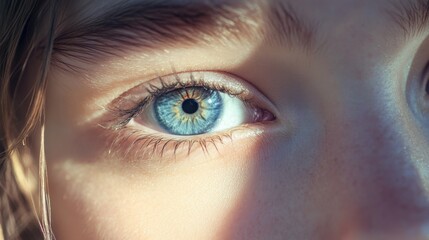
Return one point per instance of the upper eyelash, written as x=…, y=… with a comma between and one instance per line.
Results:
x=126, y=115
x=155, y=91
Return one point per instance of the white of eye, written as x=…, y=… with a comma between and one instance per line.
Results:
x=233, y=114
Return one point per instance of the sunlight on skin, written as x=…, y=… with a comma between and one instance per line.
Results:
x=188, y=202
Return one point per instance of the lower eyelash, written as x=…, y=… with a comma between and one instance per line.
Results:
x=136, y=146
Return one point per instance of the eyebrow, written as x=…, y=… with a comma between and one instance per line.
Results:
x=412, y=16
x=156, y=24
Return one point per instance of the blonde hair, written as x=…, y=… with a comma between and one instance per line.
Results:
x=24, y=35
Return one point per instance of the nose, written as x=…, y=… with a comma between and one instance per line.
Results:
x=381, y=162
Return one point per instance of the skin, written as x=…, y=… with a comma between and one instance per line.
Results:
x=346, y=158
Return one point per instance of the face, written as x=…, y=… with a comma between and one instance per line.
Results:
x=278, y=119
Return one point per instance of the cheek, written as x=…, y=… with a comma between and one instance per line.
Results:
x=190, y=201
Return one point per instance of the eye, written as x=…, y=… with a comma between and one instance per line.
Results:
x=179, y=113
x=198, y=110
x=194, y=104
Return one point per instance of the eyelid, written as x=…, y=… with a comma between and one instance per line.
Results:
x=217, y=80
x=157, y=150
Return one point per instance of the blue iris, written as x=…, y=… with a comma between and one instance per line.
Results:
x=188, y=111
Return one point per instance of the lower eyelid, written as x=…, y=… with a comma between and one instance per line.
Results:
x=133, y=145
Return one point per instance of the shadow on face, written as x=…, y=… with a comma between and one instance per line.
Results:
x=353, y=163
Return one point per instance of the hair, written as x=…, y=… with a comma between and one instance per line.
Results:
x=26, y=32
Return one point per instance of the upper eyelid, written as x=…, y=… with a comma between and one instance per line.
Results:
x=217, y=79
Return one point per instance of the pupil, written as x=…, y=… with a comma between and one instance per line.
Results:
x=190, y=106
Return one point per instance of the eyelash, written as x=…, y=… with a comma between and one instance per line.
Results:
x=152, y=146
x=145, y=146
